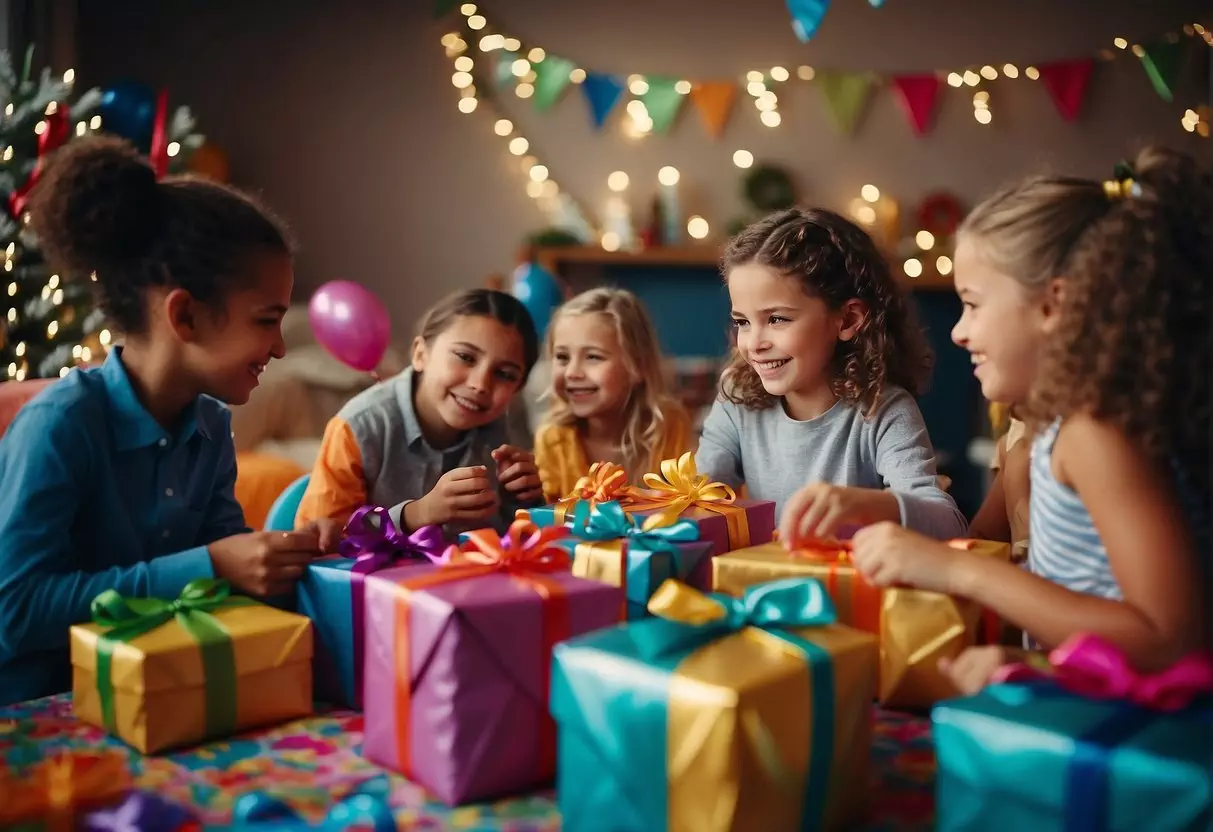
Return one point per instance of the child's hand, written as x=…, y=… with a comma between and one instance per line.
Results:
x=328, y=532
x=516, y=471
x=460, y=494
x=889, y=555
x=264, y=563
x=972, y=669
x=820, y=510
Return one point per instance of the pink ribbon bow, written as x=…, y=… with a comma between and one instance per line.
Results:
x=1090, y=666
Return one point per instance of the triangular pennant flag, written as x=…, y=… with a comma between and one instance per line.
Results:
x=551, y=77
x=662, y=100
x=876, y=4
x=1162, y=61
x=714, y=101
x=918, y=95
x=504, y=71
x=807, y=16
x=601, y=92
x=846, y=95
x=443, y=7
x=1067, y=83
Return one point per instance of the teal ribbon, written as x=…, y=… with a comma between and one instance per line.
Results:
x=774, y=608
x=129, y=618
x=608, y=521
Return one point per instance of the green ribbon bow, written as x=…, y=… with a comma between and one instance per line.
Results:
x=608, y=521
x=129, y=618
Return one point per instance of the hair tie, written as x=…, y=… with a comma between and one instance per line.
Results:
x=1123, y=184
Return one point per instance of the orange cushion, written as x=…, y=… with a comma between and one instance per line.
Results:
x=260, y=478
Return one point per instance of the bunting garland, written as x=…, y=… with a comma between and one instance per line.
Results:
x=654, y=102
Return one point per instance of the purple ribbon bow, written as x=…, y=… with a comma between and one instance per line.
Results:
x=374, y=547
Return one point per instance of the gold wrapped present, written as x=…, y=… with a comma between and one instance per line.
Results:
x=916, y=628
x=161, y=674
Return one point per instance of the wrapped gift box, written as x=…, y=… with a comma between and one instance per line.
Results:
x=160, y=674
x=57, y=792
x=333, y=591
x=458, y=658
x=718, y=714
x=607, y=545
x=916, y=628
x=1056, y=755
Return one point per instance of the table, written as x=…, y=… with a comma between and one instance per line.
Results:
x=311, y=763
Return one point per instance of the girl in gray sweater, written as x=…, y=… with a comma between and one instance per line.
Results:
x=817, y=410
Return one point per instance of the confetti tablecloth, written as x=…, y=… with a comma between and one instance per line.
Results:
x=313, y=762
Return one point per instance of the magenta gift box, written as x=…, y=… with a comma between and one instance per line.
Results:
x=714, y=526
x=470, y=711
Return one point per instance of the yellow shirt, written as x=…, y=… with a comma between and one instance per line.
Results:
x=561, y=459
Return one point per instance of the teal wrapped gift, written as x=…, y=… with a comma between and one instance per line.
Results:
x=610, y=546
x=1092, y=746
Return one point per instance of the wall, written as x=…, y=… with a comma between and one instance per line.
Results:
x=344, y=116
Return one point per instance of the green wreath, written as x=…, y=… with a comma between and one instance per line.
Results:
x=769, y=188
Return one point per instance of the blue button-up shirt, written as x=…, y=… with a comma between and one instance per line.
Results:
x=96, y=495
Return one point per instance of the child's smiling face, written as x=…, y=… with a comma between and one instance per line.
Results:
x=1002, y=326
x=589, y=370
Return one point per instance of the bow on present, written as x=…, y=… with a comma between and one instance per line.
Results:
x=523, y=548
x=680, y=486
x=606, y=481
x=129, y=618
x=377, y=545
x=365, y=806
x=693, y=619
x=608, y=521
x=1089, y=666
x=60, y=787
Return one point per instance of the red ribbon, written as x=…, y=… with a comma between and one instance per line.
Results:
x=58, y=129
x=527, y=554
x=159, y=149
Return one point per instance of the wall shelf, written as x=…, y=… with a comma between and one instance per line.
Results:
x=556, y=258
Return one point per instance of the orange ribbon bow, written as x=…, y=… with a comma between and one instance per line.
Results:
x=605, y=482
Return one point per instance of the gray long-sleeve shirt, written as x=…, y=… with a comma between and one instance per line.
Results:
x=774, y=455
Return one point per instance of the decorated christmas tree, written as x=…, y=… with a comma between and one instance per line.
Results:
x=49, y=322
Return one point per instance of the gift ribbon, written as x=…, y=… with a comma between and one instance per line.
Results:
x=58, y=130
x=526, y=553
x=1086, y=665
x=60, y=787
x=617, y=543
x=374, y=547
x=158, y=154
x=129, y=618
x=365, y=806
x=696, y=620
x=680, y=486
x=605, y=482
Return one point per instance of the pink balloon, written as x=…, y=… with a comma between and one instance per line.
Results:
x=351, y=323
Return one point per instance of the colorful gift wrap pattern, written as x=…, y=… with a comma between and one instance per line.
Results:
x=915, y=628
x=312, y=764
x=333, y=591
x=160, y=674
x=1091, y=749
x=719, y=714
x=609, y=546
x=458, y=659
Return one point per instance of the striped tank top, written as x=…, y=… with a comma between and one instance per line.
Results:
x=1064, y=545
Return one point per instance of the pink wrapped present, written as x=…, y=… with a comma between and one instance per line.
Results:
x=458, y=659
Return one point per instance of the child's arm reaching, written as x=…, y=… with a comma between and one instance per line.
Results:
x=719, y=453
x=1150, y=553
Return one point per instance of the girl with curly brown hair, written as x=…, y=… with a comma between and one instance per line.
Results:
x=817, y=409
x=1114, y=278
x=122, y=476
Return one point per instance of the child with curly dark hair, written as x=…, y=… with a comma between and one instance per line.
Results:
x=122, y=476
x=1119, y=404
x=817, y=409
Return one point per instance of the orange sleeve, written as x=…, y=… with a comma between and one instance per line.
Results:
x=337, y=486
x=551, y=461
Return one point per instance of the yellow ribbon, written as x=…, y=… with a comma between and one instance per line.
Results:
x=680, y=486
x=605, y=482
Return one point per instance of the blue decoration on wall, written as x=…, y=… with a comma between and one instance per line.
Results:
x=601, y=91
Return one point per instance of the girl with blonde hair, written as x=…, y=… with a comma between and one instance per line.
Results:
x=608, y=396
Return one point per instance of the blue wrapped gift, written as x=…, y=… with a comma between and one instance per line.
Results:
x=610, y=546
x=332, y=590
x=1092, y=746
